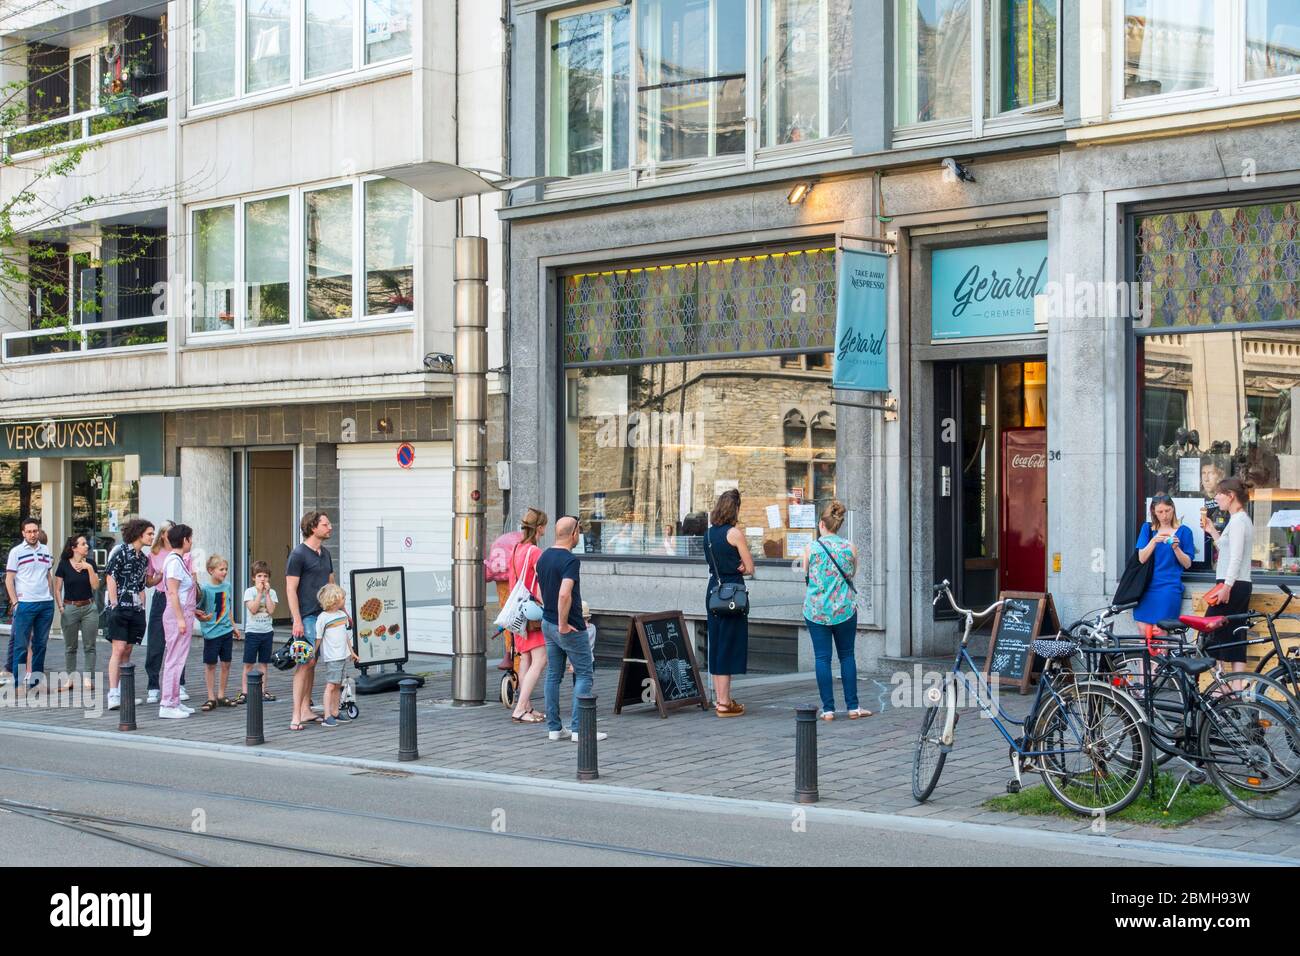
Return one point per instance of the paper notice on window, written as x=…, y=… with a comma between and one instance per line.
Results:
x=1189, y=474
x=1284, y=519
x=803, y=516
x=774, y=516
x=796, y=543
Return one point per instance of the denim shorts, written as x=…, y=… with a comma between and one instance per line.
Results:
x=258, y=647
x=218, y=648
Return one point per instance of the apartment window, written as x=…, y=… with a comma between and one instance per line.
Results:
x=684, y=97
x=296, y=253
x=1168, y=46
x=1272, y=39
x=246, y=47
x=963, y=65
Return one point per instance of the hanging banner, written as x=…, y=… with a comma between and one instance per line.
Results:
x=861, y=318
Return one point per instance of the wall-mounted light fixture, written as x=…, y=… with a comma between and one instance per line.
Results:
x=385, y=426
x=953, y=170
x=799, y=193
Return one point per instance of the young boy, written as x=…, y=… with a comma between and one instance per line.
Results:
x=218, y=631
x=334, y=644
x=259, y=633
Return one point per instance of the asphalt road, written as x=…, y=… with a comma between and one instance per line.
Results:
x=67, y=801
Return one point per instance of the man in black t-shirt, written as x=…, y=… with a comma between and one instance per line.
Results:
x=558, y=574
x=310, y=568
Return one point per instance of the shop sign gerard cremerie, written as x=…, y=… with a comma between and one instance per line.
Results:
x=979, y=291
x=110, y=436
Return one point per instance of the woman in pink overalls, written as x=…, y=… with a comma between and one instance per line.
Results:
x=178, y=619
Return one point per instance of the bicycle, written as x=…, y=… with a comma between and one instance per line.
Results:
x=1086, y=739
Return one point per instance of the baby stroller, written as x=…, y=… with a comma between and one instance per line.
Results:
x=348, y=698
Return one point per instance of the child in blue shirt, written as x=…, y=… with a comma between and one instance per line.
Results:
x=219, y=632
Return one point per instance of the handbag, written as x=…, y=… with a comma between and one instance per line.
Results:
x=1135, y=580
x=725, y=600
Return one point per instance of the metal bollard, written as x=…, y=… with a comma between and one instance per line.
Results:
x=407, y=748
x=126, y=686
x=587, y=738
x=253, y=735
x=805, y=754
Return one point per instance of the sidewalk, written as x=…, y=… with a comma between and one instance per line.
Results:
x=863, y=764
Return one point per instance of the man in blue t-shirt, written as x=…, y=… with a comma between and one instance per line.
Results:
x=558, y=574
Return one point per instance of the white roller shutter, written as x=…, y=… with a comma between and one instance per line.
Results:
x=414, y=506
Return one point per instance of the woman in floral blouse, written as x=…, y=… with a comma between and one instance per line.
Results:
x=830, y=611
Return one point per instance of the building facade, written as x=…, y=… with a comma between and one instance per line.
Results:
x=1091, y=210
x=229, y=317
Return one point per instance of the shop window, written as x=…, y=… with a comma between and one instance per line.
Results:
x=648, y=448
x=18, y=499
x=102, y=500
x=934, y=40
x=1219, y=404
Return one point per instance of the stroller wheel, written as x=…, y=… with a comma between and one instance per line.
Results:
x=353, y=712
x=509, y=686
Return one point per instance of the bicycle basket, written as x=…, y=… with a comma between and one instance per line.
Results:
x=1049, y=650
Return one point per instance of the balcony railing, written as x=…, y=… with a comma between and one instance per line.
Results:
x=121, y=335
x=103, y=119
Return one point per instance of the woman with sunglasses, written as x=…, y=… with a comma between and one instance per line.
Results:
x=1169, y=544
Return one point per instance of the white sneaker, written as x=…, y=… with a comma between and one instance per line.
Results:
x=184, y=696
x=114, y=699
x=188, y=710
x=153, y=696
x=557, y=734
x=172, y=713
x=600, y=735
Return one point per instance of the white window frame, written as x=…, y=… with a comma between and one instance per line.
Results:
x=298, y=324
x=1230, y=87
x=298, y=80
x=754, y=156
x=984, y=44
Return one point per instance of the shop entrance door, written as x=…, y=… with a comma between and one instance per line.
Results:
x=266, y=521
x=990, y=500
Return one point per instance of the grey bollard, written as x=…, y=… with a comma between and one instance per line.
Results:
x=805, y=754
x=407, y=748
x=587, y=738
x=126, y=686
x=253, y=735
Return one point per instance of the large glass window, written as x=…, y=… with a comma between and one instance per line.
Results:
x=1023, y=55
x=933, y=52
x=18, y=499
x=649, y=448
x=388, y=29
x=266, y=261
x=266, y=38
x=328, y=239
x=1272, y=39
x=329, y=37
x=390, y=242
x=213, y=270
x=213, y=43
x=590, y=70
x=806, y=64
x=1168, y=46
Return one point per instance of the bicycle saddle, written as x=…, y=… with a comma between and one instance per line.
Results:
x=1049, y=650
x=1203, y=624
x=1172, y=625
x=1191, y=665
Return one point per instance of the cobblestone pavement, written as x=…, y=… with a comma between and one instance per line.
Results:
x=863, y=764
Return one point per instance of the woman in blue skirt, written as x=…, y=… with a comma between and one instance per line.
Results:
x=1169, y=544
x=729, y=563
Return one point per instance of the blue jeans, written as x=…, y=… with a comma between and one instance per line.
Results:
x=31, y=622
x=575, y=647
x=843, y=636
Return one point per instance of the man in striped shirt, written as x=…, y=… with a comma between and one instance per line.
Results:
x=29, y=579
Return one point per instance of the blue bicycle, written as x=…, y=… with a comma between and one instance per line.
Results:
x=1086, y=738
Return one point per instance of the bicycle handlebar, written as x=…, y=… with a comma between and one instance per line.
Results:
x=945, y=589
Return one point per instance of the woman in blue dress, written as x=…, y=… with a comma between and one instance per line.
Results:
x=1170, y=545
x=729, y=563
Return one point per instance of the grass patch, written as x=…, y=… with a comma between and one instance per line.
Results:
x=1192, y=802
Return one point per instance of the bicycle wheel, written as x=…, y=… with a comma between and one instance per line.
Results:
x=927, y=760
x=1252, y=753
x=1098, y=754
x=1154, y=689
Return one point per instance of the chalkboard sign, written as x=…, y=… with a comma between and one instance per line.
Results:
x=1022, y=618
x=659, y=665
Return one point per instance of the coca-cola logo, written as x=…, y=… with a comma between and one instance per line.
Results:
x=1036, y=460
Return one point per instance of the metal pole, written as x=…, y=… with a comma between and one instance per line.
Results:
x=805, y=754
x=253, y=735
x=469, y=451
x=587, y=769
x=125, y=687
x=407, y=746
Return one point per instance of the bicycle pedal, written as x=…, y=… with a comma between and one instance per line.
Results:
x=1013, y=786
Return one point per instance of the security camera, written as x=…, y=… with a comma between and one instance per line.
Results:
x=955, y=170
x=440, y=362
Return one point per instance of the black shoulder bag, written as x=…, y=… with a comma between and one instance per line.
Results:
x=1136, y=578
x=725, y=600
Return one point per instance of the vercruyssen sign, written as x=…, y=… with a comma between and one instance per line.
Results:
x=112, y=436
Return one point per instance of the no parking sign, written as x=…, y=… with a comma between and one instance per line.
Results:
x=406, y=454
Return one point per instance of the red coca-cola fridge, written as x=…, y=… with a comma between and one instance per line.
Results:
x=1023, y=533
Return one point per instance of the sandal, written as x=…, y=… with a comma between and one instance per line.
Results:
x=531, y=717
x=266, y=696
x=210, y=705
x=295, y=726
x=857, y=712
x=829, y=715
x=226, y=702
